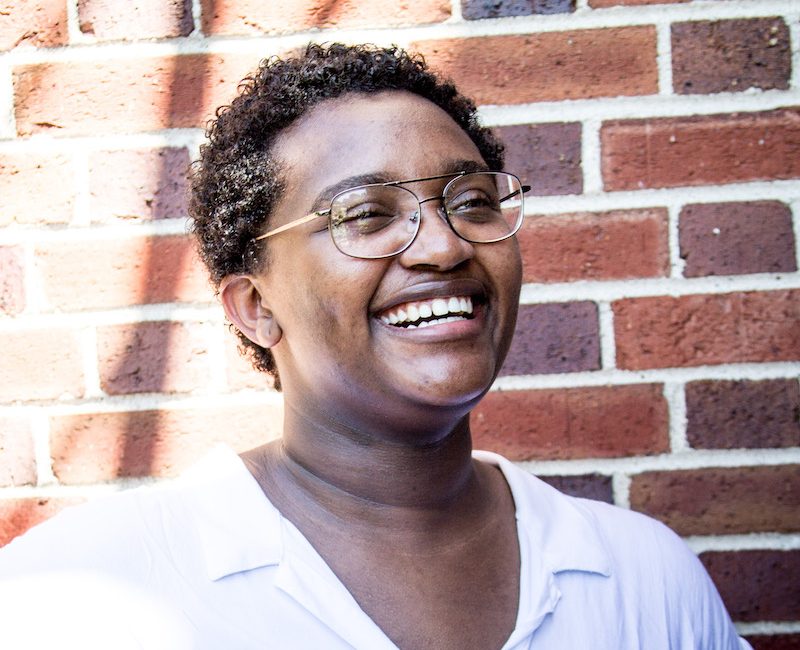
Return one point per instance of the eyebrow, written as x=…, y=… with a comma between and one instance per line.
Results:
x=326, y=195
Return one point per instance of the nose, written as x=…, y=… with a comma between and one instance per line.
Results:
x=436, y=246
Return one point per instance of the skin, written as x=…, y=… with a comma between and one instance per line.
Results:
x=374, y=465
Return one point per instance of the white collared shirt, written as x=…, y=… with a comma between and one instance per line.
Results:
x=207, y=562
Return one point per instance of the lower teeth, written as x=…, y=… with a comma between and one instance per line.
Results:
x=435, y=321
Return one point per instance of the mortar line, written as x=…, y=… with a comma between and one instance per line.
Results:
x=676, y=263
x=793, y=23
x=794, y=206
x=608, y=346
x=197, y=20
x=40, y=429
x=664, y=58
x=8, y=126
x=675, y=396
x=591, y=157
x=621, y=489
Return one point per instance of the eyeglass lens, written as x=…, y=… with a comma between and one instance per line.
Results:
x=381, y=220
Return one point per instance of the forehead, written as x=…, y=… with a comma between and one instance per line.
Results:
x=392, y=133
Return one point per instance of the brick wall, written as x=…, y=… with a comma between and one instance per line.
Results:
x=656, y=361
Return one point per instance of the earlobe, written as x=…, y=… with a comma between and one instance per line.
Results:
x=246, y=307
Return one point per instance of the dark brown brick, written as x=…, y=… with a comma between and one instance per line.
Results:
x=545, y=156
x=550, y=66
x=736, y=238
x=12, y=286
x=730, y=55
x=602, y=422
x=721, y=500
x=147, y=357
x=587, y=486
x=554, y=338
x=141, y=19
x=701, y=150
x=743, y=414
x=774, y=641
x=477, y=9
x=610, y=245
x=663, y=332
x=757, y=585
x=148, y=184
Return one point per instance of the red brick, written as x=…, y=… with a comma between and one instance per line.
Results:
x=586, y=486
x=545, y=156
x=36, y=188
x=700, y=150
x=611, y=245
x=239, y=371
x=554, y=337
x=757, y=585
x=662, y=332
x=18, y=515
x=597, y=4
x=743, y=414
x=146, y=184
x=478, y=9
x=774, y=641
x=257, y=17
x=601, y=422
x=40, y=364
x=163, y=357
x=122, y=272
x=730, y=55
x=122, y=96
x=735, y=238
x=721, y=500
x=140, y=19
x=17, y=460
x=12, y=284
x=549, y=66
x=104, y=446
x=41, y=23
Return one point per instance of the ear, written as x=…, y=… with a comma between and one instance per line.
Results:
x=247, y=308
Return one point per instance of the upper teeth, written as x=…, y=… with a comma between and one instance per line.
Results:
x=411, y=312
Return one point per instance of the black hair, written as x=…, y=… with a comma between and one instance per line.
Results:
x=237, y=181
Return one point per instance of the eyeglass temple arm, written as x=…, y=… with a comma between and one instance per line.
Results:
x=521, y=190
x=292, y=224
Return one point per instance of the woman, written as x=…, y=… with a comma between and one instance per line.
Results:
x=355, y=219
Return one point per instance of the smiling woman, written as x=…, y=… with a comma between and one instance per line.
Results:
x=359, y=226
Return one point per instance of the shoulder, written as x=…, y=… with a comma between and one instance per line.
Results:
x=643, y=573
x=112, y=534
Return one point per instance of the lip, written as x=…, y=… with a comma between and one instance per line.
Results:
x=435, y=289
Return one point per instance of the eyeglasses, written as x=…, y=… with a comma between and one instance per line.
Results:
x=382, y=219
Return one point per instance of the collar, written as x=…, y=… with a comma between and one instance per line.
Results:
x=556, y=534
x=239, y=529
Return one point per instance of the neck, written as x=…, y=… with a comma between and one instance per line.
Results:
x=369, y=481
x=345, y=464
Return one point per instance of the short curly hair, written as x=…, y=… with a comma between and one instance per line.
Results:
x=237, y=180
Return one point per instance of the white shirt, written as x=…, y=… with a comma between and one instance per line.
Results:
x=207, y=562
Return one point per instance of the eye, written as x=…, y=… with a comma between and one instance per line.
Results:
x=474, y=205
x=363, y=219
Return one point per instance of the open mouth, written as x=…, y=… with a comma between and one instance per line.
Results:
x=425, y=313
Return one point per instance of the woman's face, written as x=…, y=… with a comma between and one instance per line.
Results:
x=336, y=352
